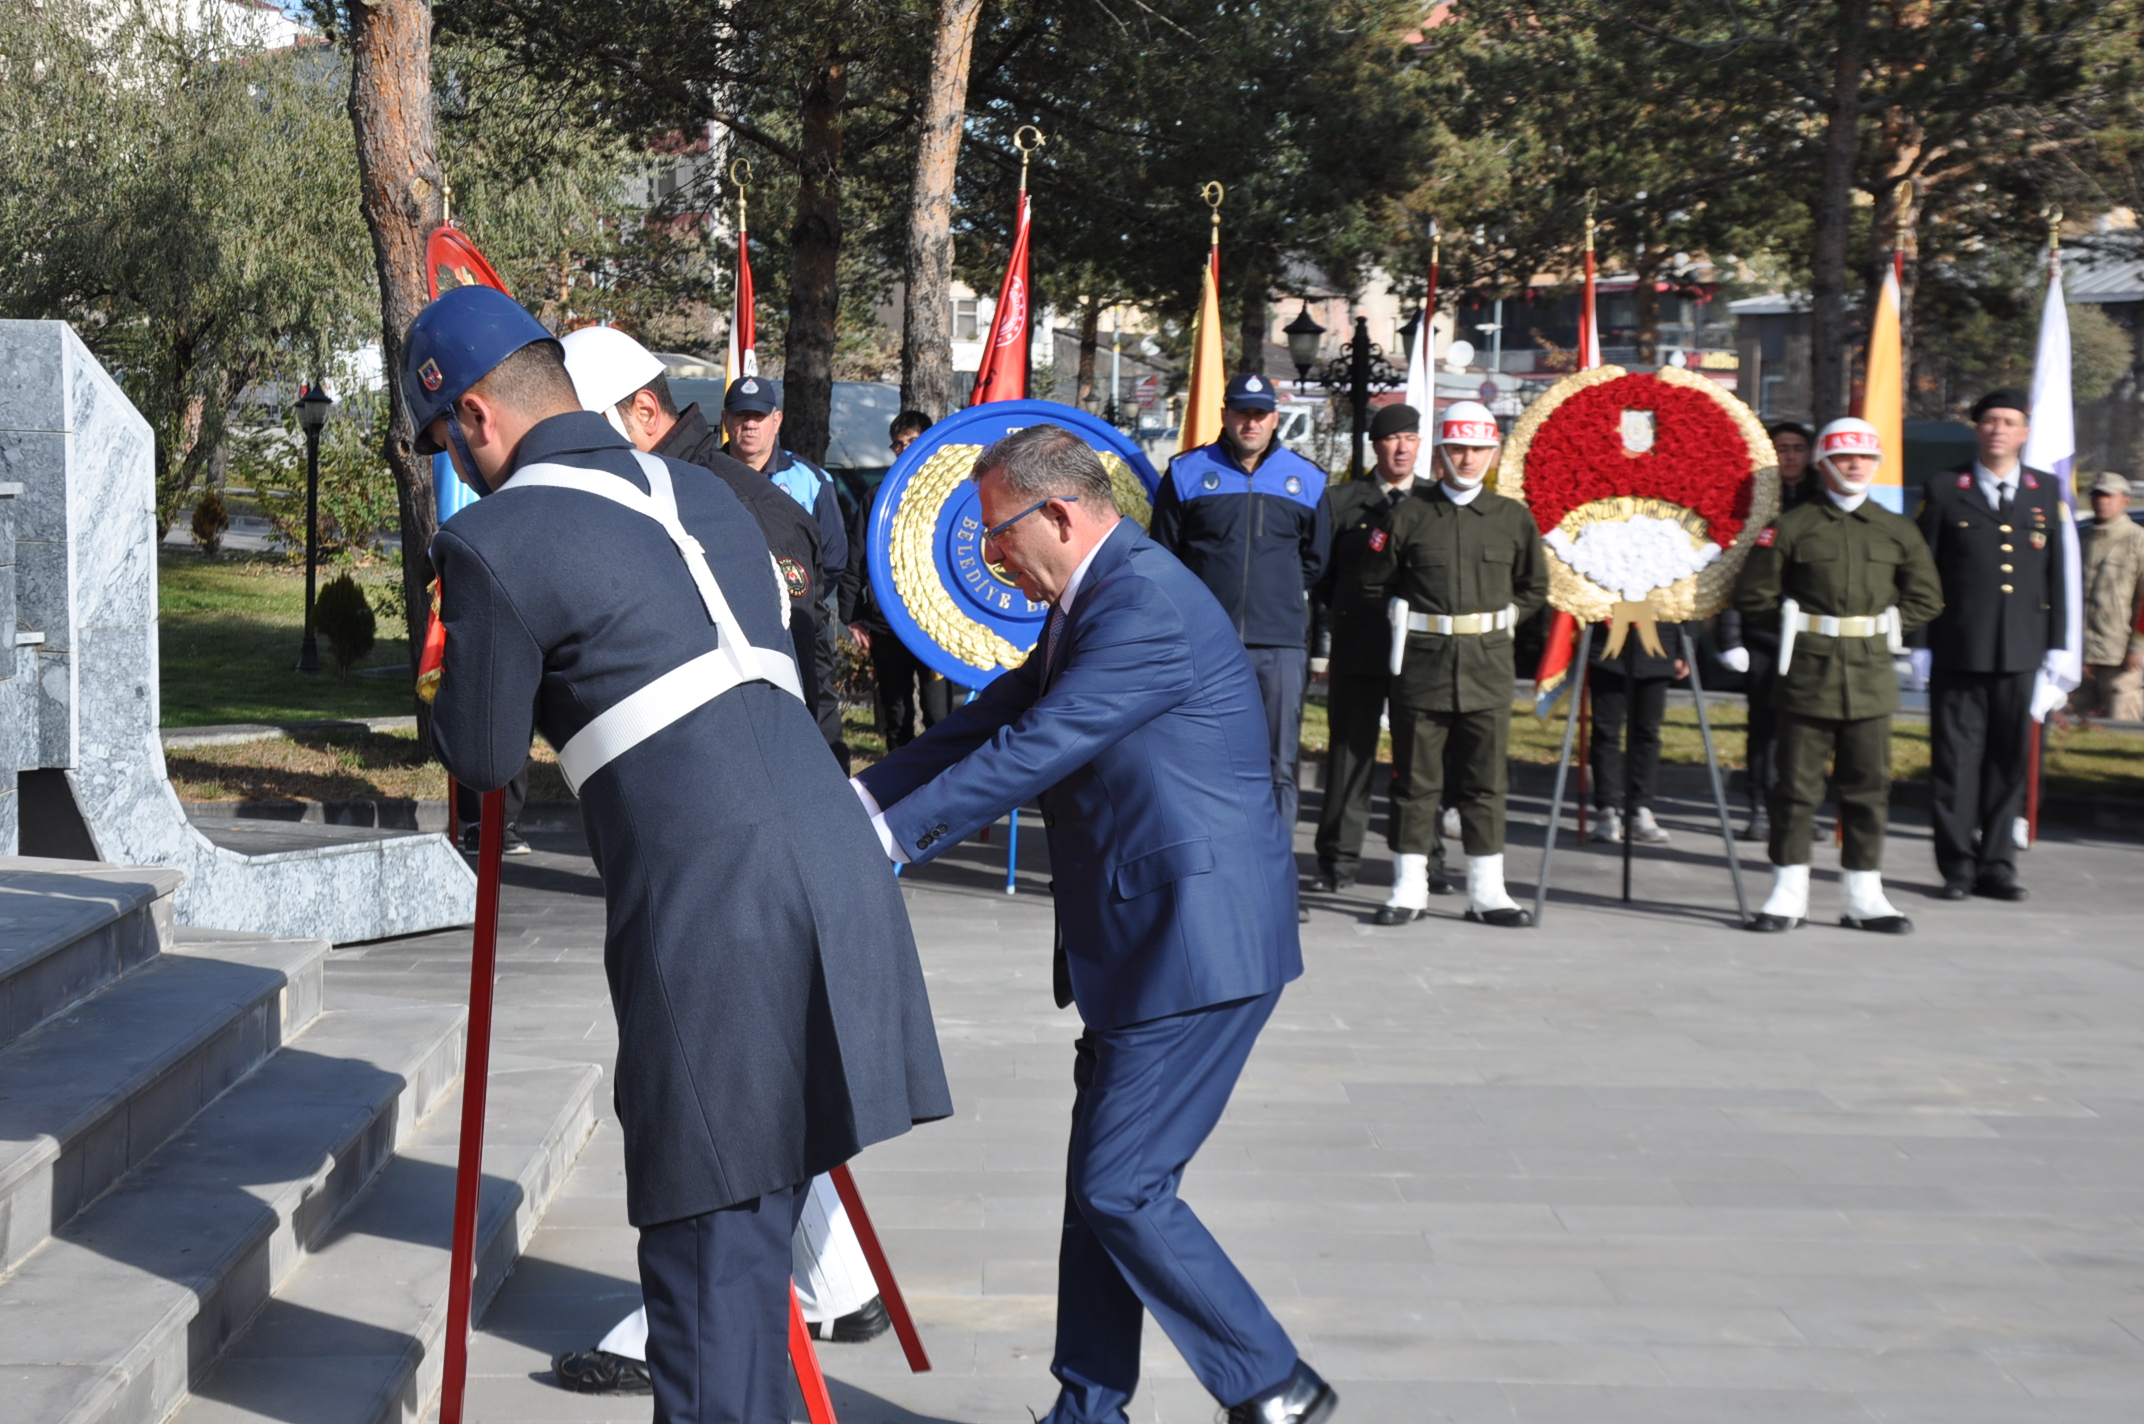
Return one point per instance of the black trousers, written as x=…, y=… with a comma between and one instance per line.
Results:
x=1615, y=711
x=1354, y=709
x=1760, y=752
x=908, y=691
x=1980, y=734
x=826, y=697
x=716, y=1287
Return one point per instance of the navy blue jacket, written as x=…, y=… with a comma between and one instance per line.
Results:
x=1175, y=881
x=1258, y=541
x=772, y=1019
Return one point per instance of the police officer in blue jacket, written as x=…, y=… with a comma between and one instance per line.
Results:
x=772, y=1019
x=752, y=431
x=1250, y=518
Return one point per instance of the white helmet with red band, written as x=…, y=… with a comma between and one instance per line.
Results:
x=1849, y=435
x=1467, y=423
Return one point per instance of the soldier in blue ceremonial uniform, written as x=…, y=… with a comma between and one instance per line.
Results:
x=752, y=434
x=1250, y=518
x=772, y=1019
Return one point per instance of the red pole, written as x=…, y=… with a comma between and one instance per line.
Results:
x=2032, y=784
x=805, y=1361
x=889, y=1290
x=476, y=1076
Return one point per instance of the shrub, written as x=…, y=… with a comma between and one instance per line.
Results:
x=211, y=520
x=343, y=616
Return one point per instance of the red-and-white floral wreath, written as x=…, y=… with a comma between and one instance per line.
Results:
x=1647, y=488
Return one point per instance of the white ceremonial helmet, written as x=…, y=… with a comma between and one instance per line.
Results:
x=1465, y=423
x=607, y=366
x=1848, y=435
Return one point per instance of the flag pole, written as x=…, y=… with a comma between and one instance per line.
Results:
x=476, y=1077
x=2039, y=731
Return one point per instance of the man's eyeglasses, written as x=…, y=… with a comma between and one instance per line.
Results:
x=993, y=534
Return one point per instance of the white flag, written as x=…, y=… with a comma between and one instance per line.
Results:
x=2051, y=447
x=1422, y=371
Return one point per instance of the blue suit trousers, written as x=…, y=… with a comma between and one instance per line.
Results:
x=717, y=1292
x=1148, y=1095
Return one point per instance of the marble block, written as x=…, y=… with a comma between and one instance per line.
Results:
x=85, y=699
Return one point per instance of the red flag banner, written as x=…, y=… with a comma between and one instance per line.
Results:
x=1589, y=325
x=743, y=360
x=1003, y=374
x=1553, y=678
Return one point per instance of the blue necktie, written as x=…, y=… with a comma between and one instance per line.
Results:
x=1049, y=650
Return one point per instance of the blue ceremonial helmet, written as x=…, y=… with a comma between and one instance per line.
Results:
x=454, y=343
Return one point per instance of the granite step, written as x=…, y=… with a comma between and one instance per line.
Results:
x=92, y=1093
x=354, y=1336
x=111, y=1320
x=69, y=927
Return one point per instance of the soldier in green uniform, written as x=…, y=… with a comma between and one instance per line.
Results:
x=1848, y=579
x=1461, y=568
x=1360, y=663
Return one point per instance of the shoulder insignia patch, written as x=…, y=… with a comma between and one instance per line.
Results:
x=1765, y=538
x=1965, y=482
x=2032, y=481
x=1295, y=484
x=795, y=577
x=1212, y=480
x=1378, y=539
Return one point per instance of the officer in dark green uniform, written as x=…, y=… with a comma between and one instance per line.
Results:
x=1461, y=568
x=1359, y=664
x=1848, y=579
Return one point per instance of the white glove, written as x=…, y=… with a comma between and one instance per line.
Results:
x=1735, y=659
x=1924, y=662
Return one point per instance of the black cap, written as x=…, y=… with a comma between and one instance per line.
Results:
x=1790, y=427
x=2007, y=398
x=750, y=395
x=1250, y=392
x=1395, y=420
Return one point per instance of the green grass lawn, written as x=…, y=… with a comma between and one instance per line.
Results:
x=231, y=630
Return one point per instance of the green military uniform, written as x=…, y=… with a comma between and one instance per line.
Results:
x=1455, y=560
x=1836, y=695
x=1359, y=670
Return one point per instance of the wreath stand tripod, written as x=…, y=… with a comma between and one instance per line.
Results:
x=1563, y=766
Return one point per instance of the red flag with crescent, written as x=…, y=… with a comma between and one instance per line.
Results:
x=1003, y=374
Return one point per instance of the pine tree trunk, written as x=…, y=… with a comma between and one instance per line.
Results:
x=398, y=169
x=1834, y=204
x=1090, y=336
x=815, y=282
x=927, y=324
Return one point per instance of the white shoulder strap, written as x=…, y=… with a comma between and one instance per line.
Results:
x=736, y=659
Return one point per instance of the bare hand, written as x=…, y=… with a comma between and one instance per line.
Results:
x=2133, y=662
x=861, y=635
x=1682, y=669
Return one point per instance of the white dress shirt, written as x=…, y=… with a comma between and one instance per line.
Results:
x=1995, y=488
x=893, y=848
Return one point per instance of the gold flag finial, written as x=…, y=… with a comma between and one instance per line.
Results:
x=740, y=174
x=1019, y=141
x=1593, y=199
x=1213, y=193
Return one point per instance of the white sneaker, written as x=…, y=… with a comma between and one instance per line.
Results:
x=1645, y=830
x=1607, y=826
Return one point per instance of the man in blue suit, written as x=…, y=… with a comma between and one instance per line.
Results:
x=1138, y=720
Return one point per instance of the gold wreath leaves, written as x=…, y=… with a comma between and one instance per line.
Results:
x=916, y=580
x=1699, y=595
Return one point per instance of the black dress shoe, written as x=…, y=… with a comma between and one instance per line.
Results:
x=1396, y=915
x=1773, y=924
x=1957, y=889
x=2000, y=887
x=1439, y=882
x=1512, y=919
x=601, y=1372
x=866, y=1323
x=1880, y=924
x=1331, y=882
x=1758, y=829
x=1302, y=1398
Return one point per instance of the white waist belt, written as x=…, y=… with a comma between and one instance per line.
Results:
x=1447, y=624
x=1868, y=626
x=681, y=691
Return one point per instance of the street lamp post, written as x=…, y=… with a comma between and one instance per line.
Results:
x=1359, y=369
x=312, y=418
